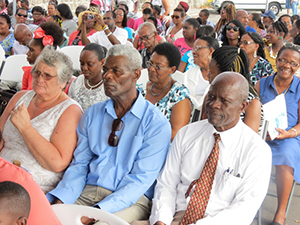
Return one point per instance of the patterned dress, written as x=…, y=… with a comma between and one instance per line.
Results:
x=177, y=93
x=261, y=69
x=7, y=44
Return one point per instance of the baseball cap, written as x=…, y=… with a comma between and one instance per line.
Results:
x=95, y=2
x=184, y=5
x=269, y=13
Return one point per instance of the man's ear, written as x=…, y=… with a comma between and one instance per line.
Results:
x=244, y=106
x=137, y=75
x=21, y=221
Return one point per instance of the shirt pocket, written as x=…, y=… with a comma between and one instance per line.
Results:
x=228, y=186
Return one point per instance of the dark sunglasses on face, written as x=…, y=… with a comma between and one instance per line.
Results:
x=24, y=15
x=113, y=139
x=231, y=27
x=176, y=17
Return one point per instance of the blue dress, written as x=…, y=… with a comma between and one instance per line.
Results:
x=286, y=151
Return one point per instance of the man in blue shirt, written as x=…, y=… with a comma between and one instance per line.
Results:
x=122, y=145
x=242, y=16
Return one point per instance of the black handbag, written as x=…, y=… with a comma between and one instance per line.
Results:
x=5, y=96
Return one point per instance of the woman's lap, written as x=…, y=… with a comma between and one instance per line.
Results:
x=286, y=152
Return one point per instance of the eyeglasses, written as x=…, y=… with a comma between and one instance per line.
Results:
x=119, y=14
x=156, y=66
x=24, y=15
x=176, y=17
x=287, y=23
x=284, y=61
x=113, y=139
x=35, y=74
x=245, y=43
x=198, y=47
x=231, y=27
x=146, y=38
x=37, y=14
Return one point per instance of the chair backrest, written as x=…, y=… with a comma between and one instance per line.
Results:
x=142, y=81
x=74, y=53
x=264, y=129
x=12, y=68
x=71, y=214
x=2, y=55
x=178, y=76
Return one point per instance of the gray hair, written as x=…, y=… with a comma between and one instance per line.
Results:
x=147, y=24
x=56, y=59
x=132, y=55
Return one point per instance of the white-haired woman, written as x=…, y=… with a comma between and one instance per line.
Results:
x=39, y=126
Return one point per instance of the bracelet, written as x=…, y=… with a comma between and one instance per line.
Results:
x=110, y=33
x=296, y=133
x=105, y=27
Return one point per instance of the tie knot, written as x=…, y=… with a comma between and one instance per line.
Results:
x=217, y=137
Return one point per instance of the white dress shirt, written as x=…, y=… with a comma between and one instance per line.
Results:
x=236, y=195
x=101, y=38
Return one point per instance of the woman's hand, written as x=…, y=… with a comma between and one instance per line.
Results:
x=283, y=134
x=20, y=118
x=84, y=18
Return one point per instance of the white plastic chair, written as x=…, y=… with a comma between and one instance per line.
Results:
x=12, y=68
x=142, y=81
x=2, y=55
x=71, y=214
x=74, y=53
x=178, y=76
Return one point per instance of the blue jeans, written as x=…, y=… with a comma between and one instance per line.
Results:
x=295, y=7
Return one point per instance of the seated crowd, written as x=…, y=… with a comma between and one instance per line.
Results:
x=159, y=152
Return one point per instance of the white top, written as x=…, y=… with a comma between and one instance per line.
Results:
x=236, y=195
x=69, y=26
x=84, y=96
x=101, y=38
x=195, y=82
x=15, y=147
x=19, y=49
x=177, y=35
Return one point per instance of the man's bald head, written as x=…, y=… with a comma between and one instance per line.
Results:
x=226, y=100
x=242, y=16
x=22, y=34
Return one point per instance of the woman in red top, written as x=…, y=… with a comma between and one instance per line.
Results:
x=74, y=38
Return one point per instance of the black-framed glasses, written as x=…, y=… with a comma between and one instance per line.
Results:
x=146, y=38
x=232, y=27
x=198, y=47
x=20, y=14
x=175, y=16
x=113, y=139
x=245, y=43
x=35, y=74
x=284, y=61
x=156, y=66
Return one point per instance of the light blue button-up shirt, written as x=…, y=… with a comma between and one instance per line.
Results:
x=130, y=169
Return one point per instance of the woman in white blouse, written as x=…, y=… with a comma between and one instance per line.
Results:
x=175, y=31
x=87, y=89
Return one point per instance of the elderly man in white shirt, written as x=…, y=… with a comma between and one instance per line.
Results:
x=109, y=36
x=242, y=171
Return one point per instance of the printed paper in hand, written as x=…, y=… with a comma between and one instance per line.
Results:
x=275, y=113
